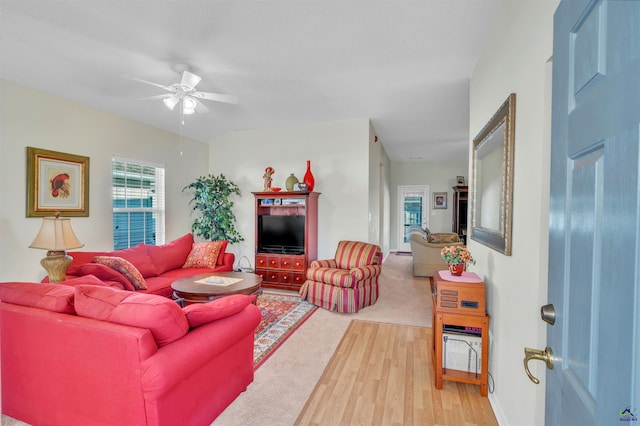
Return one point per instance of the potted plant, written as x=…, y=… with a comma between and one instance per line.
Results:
x=457, y=257
x=212, y=199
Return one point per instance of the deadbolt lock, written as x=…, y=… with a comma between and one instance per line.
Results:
x=548, y=314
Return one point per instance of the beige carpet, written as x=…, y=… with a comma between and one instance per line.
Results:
x=284, y=382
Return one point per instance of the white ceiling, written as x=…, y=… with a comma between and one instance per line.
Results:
x=404, y=64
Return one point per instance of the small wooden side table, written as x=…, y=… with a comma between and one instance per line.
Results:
x=478, y=322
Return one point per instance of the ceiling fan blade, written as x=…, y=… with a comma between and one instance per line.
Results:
x=169, y=88
x=218, y=97
x=163, y=96
x=200, y=107
x=190, y=80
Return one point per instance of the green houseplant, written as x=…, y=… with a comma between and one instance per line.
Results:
x=212, y=198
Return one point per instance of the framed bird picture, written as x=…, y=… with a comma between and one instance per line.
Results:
x=57, y=182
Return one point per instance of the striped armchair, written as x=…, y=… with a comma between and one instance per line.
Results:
x=347, y=283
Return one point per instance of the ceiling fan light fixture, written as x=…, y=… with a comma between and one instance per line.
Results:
x=171, y=102
x=188, y=105
x=184, y=93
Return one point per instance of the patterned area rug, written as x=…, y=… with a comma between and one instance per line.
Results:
x=282, y=314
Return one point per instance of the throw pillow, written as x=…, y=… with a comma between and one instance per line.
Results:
x=202, y=313
x=82, y=257
x=443, y=237
x=85, y=280
x=52, y=297
x=139, y=257
x=170, y=256
x=104, y=273
x=126, y=268
x=162, y=316
x=220, y=261
x=204, y=255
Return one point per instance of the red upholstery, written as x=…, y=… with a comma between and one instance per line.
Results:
x=159, y=265
x=353, y=254
x=60, y=368
x=139, y=256
x=104, y=273
x=52, y=297
x=225, y=243
x=347, y=283
x=203, y=313
x=83, y=280
x=162, y=316
x=172, y=255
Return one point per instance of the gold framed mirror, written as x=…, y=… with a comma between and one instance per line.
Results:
x=492, y=179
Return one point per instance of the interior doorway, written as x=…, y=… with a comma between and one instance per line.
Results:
x=412, y=210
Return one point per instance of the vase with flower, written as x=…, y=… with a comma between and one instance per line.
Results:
x=457, y=257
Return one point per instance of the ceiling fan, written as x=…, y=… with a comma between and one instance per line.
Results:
x=185, y=93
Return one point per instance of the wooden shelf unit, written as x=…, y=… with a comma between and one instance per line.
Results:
x=287, y=271
x=439, y=319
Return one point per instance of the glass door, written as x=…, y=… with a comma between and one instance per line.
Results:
x=412, y=210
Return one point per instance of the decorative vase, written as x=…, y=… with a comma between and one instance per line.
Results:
x=308, y=177
x=291, y=180
x=456, y=268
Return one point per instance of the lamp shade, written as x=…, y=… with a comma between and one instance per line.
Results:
x=188, y=105
x=56, y=234
x=171, y=102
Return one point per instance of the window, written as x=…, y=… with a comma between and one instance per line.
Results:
x=138, y=203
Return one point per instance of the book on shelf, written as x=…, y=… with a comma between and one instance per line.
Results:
x=462, y=329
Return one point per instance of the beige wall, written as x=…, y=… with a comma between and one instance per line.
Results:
x=440, y=176
x=345, y=159
x=515, y=59
x=340, y=161
x=379, y=191
x=32, y=118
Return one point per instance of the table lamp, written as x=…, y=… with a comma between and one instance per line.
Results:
x=56, y=236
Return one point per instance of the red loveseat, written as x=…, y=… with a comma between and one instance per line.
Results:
x=158, y=266
x=95, y=355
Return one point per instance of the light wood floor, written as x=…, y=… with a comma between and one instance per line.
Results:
x=382, y=374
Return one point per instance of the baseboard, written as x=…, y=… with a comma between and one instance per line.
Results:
x=497, y=410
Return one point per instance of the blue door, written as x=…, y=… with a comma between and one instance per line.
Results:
x=594, y=215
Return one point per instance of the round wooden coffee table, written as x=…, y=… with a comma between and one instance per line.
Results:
x=192, y=291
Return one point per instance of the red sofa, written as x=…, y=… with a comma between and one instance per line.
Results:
x=95, y=355
x=158, y=265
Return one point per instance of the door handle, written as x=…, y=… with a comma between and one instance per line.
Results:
x=546, y=355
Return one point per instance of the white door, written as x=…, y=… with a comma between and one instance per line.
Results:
x=412, y=210
x=594, y=243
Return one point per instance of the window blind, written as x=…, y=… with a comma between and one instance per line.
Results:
x=138, y=203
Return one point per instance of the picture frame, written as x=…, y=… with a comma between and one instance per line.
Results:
x=491, y=195
x=460, y=180
x=439, y=200
x=57, y=182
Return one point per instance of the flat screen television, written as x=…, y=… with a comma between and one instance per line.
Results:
x=281, y=234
